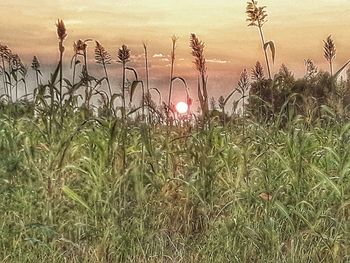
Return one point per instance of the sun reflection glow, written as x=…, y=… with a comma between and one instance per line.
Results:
x=181, y=107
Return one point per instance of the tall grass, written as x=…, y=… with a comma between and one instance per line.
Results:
x=329, y=52
x=172, y=63
x=243, y=89
x=62, y=34
x=287, y=203
x=197, y=47
x=36, y=67
x=104, y=58
x=123, y=58
x=257, y=17
x=5, y=54
x=100, y=187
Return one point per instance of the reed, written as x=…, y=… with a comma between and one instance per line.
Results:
x=197, y=47
x=311, y=69
x=24, y=73
x=243, y=88
x=104, y=58
x=74, y=61
x=103, y=189
x=62, y=34
x=145, y=49
x=172, y=66
x=256, y=16
x=123, y=58
x=16, y=66
x=258, y=72
x=258, y=76
x=329, y=52
x=4, y=55
x=36, y=67
x=80, y=49
x=148, y=97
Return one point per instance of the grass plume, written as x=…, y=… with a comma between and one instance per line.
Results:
x=172, y=64
x=62, y=34
x=104, y=58
x=329, y=52
x=267, y=181
x=197, y=47
x=123, y=58
x=256, y=16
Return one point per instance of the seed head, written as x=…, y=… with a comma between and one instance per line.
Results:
x=173, y=40
x=61, y=30
x=329, y=49
x=79, y=45
x=35, y=64
x=256, y=14
x=101, y=55
x=198, y=53
x=221, y=102
x=258, y=72
x=16, y=62
x=243, y=82
x=311, y=68
x=124, y=54
x=5, y=52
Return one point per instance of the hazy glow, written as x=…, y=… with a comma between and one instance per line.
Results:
x=182, y=107
x=296, y=27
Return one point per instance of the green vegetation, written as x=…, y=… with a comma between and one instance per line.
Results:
x=267, y=181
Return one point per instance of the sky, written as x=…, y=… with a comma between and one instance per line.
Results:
x=297, y=28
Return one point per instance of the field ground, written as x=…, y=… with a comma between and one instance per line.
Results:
x=98, y=191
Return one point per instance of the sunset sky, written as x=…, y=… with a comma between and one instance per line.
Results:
x=297, y=28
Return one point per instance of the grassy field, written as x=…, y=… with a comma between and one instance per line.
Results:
x=89, y=175
x=184, y=195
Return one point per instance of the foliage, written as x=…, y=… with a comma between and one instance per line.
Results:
x=264, y=182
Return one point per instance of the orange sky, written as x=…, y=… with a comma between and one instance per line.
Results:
x=297, y=28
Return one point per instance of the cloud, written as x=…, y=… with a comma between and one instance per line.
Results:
x=218, y=61
x=136, y=56
x=160, y=55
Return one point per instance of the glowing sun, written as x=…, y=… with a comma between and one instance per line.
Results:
x=182, y=107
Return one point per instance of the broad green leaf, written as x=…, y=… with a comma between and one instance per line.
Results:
x=328, y=181
x=75, y=197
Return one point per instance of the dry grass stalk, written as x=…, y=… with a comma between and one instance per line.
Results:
x=123, y=57
x=104, y=58
x=258, y=72
x=256, y=16
x=36, y=67
x=124, y=54
x=311, y=69
x=329, y=52
x=62, y=34
x=61, y=30
x=173, y=41
x=197, y=47
x=16, y=65
x=5, y=54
